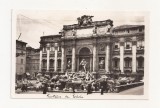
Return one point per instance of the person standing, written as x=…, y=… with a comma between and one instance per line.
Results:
x=73, y=88
x=102, y=89
x=89, y=89
x=102, y=85
x=45, y=89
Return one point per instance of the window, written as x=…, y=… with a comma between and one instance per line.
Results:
x=140, y=30
x=44, y=63
x=51, y=63
x=116, y=63
x=127, y=62
x=59, y=63
x=21, y=61
x=116, y=46
x=127, y=46
x=140, y=44
x=141, y=62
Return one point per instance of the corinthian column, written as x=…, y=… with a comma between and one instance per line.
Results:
x=73, y=57
x=40, y=60
x=94, y=57
x=122, y=57
x=48, y=53
x=134, y=48
x=62, y=59
x=55, y=57
x=107, y=58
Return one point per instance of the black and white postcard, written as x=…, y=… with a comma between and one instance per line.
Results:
x=79, y=54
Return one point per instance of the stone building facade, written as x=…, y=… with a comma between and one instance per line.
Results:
x=20, y=59
x=32, y=61
x=94, y=46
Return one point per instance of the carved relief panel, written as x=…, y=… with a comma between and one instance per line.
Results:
x=101, y=48
x=69, y=51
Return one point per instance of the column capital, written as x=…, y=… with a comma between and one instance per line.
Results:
x=56, y=46
x=48, y=48
x=48, y=45
x=62, y=44
x=94, y=42
x=73, y=43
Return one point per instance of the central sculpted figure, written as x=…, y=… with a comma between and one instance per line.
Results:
x=83, y=64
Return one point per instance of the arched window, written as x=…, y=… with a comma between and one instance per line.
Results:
x=140, y=62
x=59, y=63
x=116, y=62
x=44, y=63
x=128, y=62
x=84, y=51
x=51, y=63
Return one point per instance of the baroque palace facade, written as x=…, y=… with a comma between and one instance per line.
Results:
x=94, y=46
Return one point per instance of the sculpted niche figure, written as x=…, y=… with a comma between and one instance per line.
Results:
x=101, y=63
x=69, y=64
x=83, y=64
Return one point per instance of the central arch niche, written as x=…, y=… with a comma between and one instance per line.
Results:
x=84, y=51
x=84, y=55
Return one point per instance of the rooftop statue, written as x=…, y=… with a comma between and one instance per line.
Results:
x=84, y=20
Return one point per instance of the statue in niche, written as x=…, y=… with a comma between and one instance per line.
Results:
x=83, y=64
x=102, y=63
x=69, y=64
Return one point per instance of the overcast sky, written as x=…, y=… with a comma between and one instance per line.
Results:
x=34, y=24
